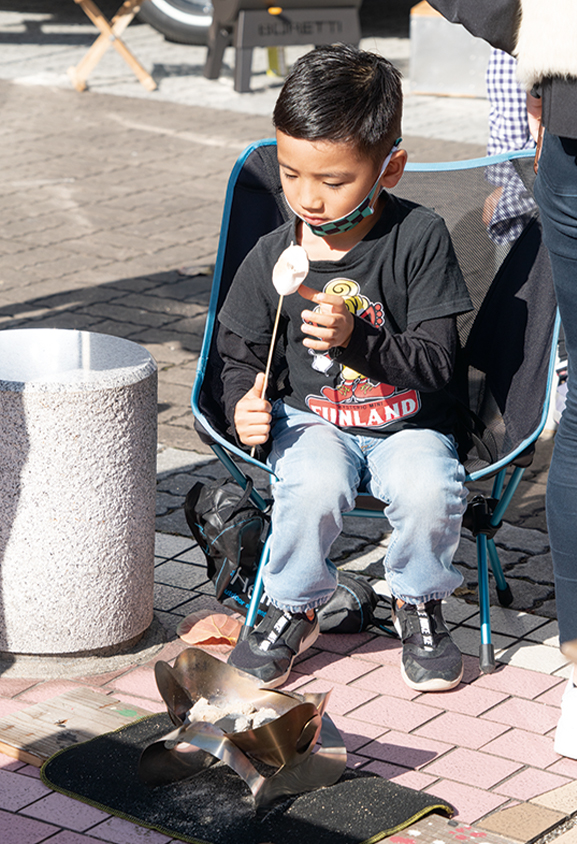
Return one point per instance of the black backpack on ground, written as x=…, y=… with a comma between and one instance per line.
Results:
x=229, y=529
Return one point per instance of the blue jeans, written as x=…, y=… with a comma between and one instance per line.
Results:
x=320, y=468
x=556, y=195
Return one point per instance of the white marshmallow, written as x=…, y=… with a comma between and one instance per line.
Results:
x=290, y=270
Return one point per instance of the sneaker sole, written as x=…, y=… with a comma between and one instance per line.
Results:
x=305, y=645
x=435, y=684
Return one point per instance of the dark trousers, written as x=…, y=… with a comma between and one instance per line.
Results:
x=556, y=195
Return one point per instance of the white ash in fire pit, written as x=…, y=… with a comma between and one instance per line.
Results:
x=232, y=716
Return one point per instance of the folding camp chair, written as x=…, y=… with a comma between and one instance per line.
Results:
x=110, y=32
x=508, y=341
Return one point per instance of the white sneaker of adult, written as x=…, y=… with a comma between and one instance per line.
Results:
x=566, y=733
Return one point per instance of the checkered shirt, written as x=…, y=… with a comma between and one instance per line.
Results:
x=508, y=130
x=508, y=126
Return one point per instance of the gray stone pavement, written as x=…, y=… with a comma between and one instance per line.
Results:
x=111, y=203
x=41, y=39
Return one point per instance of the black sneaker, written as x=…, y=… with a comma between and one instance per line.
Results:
x=431, y=660
x=270, y=649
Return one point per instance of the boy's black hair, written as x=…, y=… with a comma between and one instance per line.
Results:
x=339, y=93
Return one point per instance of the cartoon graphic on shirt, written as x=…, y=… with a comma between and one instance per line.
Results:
x=357, y=401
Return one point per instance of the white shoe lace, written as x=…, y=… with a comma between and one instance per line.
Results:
x=278, y=629
x=425, y=625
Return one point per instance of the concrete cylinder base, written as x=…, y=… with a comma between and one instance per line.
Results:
x=77, y=486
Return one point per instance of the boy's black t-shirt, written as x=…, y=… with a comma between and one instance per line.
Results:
x=403, y=285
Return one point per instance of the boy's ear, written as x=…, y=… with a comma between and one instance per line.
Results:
x=395, y=169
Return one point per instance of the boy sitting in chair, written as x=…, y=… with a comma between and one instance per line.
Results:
x=367, y=357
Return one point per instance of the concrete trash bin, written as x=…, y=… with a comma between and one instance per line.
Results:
x=77, y=491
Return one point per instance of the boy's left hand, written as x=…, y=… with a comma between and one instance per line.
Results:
x=330, y=326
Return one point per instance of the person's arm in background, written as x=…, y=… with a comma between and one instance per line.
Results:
x=496, y=21
x=534, y=113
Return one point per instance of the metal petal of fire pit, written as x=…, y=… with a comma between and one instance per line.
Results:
x=285, y=742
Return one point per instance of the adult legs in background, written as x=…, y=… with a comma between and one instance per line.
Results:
x=556, y=195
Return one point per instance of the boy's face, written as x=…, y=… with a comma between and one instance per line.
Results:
x=323, y=180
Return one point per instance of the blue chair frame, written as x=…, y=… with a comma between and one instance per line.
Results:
x=503, y=488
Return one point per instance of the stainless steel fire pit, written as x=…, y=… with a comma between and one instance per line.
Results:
x=222, y=713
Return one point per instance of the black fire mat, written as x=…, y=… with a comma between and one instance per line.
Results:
x=216, y=806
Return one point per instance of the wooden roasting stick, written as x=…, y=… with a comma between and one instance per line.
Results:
x=288, y=274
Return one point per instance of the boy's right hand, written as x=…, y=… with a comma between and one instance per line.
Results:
x=252, y=415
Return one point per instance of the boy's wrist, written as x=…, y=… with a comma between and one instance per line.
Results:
x=337, y=352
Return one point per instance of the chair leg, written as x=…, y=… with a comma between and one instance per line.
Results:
x=505, y=498
x=109, y=35
x=504, y=593
x=486, y=652
x=249, y=622
x=485, y=520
